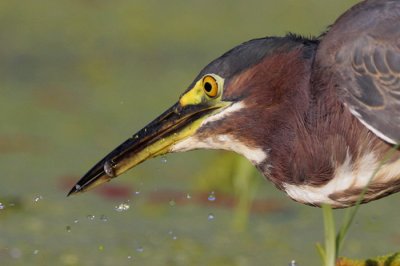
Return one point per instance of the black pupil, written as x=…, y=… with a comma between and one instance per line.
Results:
x=207, y=86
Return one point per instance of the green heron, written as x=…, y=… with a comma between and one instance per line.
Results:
x=316, y=116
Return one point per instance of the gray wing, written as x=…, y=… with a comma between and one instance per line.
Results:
x=361, y=55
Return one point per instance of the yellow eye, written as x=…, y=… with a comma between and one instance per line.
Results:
x=210, y=86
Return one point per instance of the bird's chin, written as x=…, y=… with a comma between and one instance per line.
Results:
x=187, y=144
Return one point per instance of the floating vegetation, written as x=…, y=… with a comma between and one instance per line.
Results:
x=388, y=260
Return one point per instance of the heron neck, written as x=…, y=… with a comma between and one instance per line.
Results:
x=323, y=135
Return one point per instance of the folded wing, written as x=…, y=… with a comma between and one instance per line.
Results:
x=360, y=55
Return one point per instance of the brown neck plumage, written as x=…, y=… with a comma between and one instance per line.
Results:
x=313, y=131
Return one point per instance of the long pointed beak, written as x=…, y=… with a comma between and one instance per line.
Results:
x=155, y=139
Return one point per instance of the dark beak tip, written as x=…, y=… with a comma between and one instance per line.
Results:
x=72, y=192
x=75, y=190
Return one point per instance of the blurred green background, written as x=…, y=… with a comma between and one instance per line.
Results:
x=79, y=77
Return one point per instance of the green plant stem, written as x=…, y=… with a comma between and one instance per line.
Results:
x=334, y=244
x=330, y=243
x=245, y=186
x=351, y=213
x=321, y=252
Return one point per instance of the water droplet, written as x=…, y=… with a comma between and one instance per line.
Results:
x=103, y=218
x=129, y=257
x=68, y=228
x=171, y=233
x=140, y=249
x=211, y=217
x=293, y=263
x=211, y=196
x=172, y=203
x=76, y=221
x=38, y=198
x=188, y=196
x=122, y=207
x=173, y=236
x=90, y=217
x=77, y=187
x=1, y=206
x=137, y=192
x=163, y=160
x=108, y=169
x=35, y=252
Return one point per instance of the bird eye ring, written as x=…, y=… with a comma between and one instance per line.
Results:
x=210, y=86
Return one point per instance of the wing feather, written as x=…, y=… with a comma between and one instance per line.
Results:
x=361, y=55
